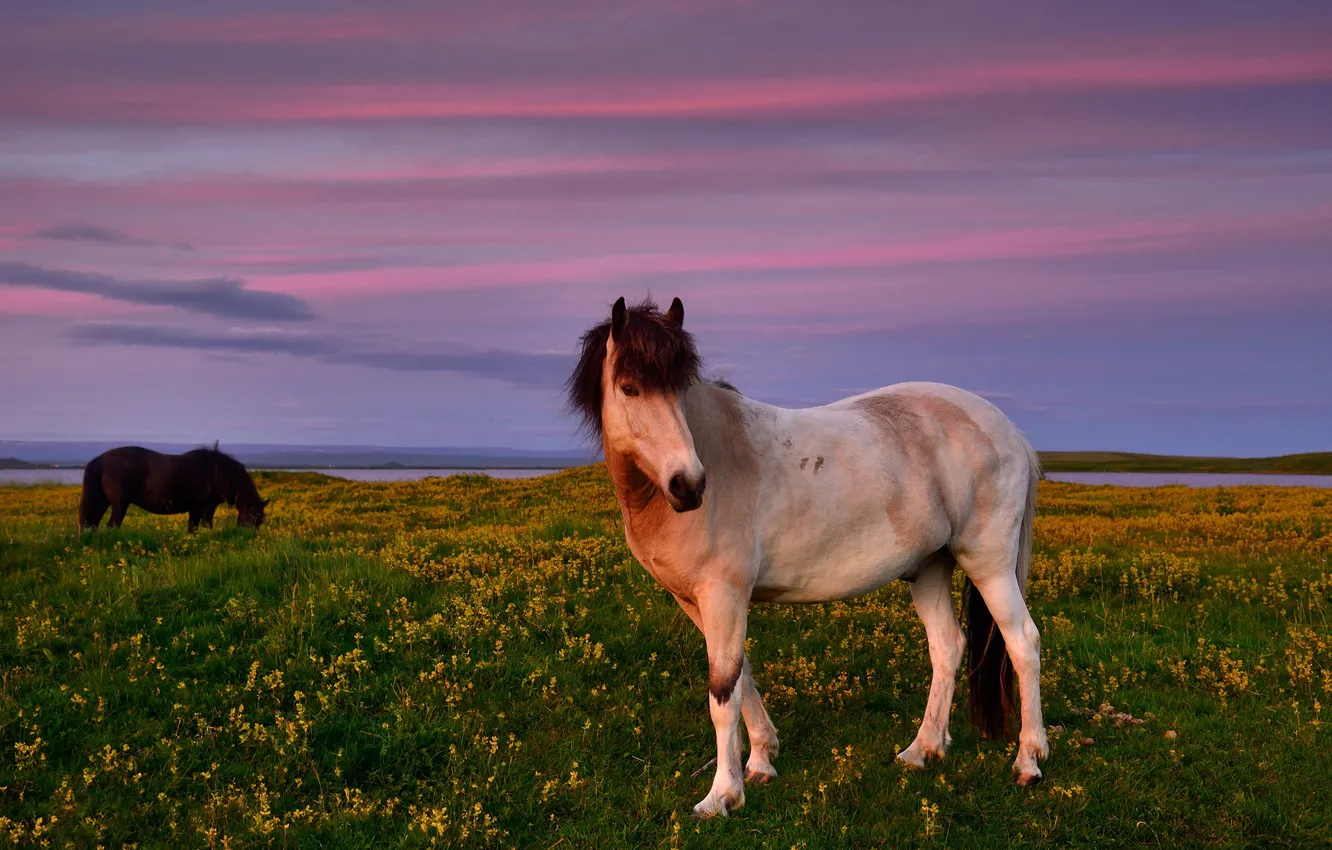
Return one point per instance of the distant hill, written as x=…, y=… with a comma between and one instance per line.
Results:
x=15, y=463
x=1313, y=463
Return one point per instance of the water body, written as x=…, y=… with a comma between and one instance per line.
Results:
x=1123, y=479
x=1192, y=479
x=418, y=474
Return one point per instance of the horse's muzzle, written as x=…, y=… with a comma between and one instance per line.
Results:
x=684, y=494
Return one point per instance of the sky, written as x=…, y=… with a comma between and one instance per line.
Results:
x=353, y=223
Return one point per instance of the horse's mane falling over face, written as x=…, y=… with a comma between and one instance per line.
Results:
x=629, y=388
x=653, y=351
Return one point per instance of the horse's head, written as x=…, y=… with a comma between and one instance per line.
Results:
x=236, y=487
x=629, y=386
x=250, y=513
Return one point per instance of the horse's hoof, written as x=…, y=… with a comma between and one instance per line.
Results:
x=756, y=776
x=718, y=807
x=1028, y=780
x=910, y=759
x=917, y=755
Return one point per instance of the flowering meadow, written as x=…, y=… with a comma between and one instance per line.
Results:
x=469, y=662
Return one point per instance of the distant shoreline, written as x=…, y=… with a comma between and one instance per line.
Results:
x=1313, y=463
x=293, y=467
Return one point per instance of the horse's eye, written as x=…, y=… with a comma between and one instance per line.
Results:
x=629, y=390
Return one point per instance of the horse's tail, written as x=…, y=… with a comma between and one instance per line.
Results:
x=92, y=504
x=989, y=669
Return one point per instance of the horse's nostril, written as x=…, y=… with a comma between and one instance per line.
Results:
x=679, y=489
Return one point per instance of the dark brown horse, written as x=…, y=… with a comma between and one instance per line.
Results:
x=194, y=483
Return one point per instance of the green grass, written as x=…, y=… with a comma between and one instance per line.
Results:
x=1312, y=463
x=474, y=662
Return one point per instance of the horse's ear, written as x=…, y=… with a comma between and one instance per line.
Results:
x=619, y=318
x=675, y=315
x=265, y=502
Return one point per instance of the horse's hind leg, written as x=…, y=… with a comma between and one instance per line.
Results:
x=932, y=593
x=996, y=581
x=92, y=508
x=117, y=514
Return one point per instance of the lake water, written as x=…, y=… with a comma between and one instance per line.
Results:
x=1125, y=479
x=1192, y=479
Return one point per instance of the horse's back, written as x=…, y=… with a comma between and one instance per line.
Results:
x=977, y=459
x=129, y=454
x=126, y=469
x=926, y=417
x=873, y=485
x=127, y=459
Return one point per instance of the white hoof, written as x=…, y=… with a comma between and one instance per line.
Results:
x=1026, y=767
x=1031, y=751
x=718, y=805
x=919, y=753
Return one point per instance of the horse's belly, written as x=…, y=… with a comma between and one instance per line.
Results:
x=826, y=567
x=161, y=503
x=844, y=532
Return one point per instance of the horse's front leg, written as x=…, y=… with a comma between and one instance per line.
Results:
x=724, y=611
x=763, y=744
x=207, y=516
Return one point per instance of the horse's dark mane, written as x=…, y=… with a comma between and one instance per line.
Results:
x=655, y=354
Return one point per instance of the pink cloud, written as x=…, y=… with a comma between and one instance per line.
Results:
x=17, y=301
x=1044, y=242
x=1217, y=60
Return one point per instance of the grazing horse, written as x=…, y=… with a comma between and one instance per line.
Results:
x=195, y=483
x=727, y=500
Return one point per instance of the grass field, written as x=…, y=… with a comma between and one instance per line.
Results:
x=471, y=662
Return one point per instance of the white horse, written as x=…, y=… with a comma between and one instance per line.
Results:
x=728, y=500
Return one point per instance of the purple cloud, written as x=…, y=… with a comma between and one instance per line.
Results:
x=513, y=367
x=224, y=297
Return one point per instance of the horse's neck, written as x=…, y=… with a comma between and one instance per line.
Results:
x=227, y=485
x=722, y=423
x=239, y=488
